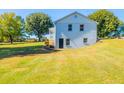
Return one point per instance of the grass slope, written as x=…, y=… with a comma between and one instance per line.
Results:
x=29, y=63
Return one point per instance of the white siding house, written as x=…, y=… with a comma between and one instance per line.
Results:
x=73, y=31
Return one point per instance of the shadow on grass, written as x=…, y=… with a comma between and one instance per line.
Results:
x=23, y=51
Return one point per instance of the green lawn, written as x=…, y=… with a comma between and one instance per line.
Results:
x=30, y=63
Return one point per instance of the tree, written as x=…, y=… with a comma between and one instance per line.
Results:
x=1, y=34
x=21, y=30
x=38, y=24
x=107, y=22
x=10, y=26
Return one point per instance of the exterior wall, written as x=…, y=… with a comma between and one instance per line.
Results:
x=76, y=36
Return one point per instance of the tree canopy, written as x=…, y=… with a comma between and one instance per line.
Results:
x=107, y=22
x=38, y=24
x=10, y=26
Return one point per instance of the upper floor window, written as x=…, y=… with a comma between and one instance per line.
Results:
x=81, y=27
x=70, y=27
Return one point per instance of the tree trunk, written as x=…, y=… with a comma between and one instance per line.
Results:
x=11, y=39
x=39, y=39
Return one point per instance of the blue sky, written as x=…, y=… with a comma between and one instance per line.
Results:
x=58, y=13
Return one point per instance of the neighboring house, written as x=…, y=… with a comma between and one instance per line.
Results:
x=73, y=31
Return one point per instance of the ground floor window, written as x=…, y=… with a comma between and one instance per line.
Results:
x=67, y=41
x=85, y=40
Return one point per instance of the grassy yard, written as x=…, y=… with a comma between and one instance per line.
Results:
x=30, y=63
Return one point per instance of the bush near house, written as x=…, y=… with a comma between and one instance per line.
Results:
x=49, y=43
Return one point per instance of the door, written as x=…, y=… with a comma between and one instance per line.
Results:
x=61, y=43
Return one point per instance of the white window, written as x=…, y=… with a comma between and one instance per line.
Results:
x=69, y=27
x=67, y=41
x=81, y=27
x=85, y=40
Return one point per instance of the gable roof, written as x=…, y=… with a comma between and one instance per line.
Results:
x=73, y=14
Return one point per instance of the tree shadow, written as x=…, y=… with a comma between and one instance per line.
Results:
x=7, y=52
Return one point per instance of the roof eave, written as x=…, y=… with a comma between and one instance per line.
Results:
x=74, y=13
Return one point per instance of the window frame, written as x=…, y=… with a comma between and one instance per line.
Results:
x=69, y=27
x=81, y=27
x=67, y=42
x=85, y=40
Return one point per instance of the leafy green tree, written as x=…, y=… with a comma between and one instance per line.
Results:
x=38, y=24
x=21, y=30
x=10, y=26
x=107, y=22
x=1, y=34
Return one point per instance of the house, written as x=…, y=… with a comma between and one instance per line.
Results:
x=73, y=31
